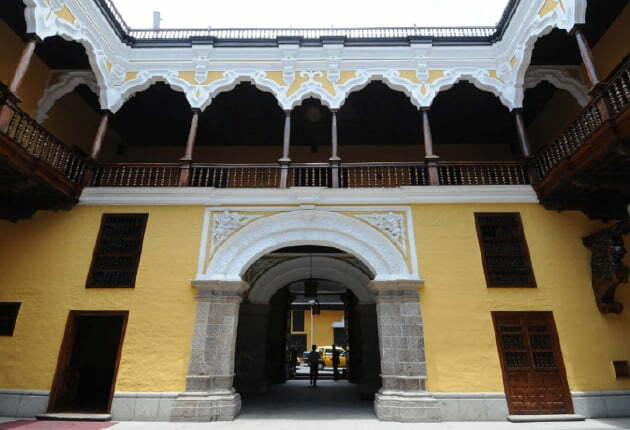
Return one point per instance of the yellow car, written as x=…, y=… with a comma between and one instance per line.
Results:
x=326, y=353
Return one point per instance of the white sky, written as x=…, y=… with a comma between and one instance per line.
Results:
x=291, y=13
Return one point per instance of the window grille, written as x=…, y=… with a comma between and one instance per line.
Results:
x=504, y=250
x=117, y=251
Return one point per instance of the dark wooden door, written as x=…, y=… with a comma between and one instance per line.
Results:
x=533, y=371
x=88, y=362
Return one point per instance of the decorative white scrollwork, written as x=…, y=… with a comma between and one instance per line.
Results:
x=225, y=223
x=391, y=223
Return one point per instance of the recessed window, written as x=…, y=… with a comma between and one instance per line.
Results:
x=504, y=251
x=117, y=251
x=622, y=369
x=298, y=321
x=8, y=317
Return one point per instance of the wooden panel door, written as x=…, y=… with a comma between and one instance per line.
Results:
x=533, y=371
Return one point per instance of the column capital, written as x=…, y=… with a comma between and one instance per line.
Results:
x=426, y=109
x=396, y=290
x=287, y=112
x=195, y=110
x=33, y=37
x=211, y=290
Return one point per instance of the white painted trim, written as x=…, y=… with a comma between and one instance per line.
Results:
x=122, y=71
x=301, y=226
x=150, y=196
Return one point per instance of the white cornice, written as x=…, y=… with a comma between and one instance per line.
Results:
x=308, y=196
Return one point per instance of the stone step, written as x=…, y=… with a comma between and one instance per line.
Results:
x=69, y=416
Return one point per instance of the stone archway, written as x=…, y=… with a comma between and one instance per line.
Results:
x=232, y=242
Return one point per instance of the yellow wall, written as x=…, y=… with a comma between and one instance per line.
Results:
x=613, y=46
x=46, y=260
x=460, y=343
x=322, y=325
x=45, y=266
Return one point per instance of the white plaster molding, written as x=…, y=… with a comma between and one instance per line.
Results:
x=297, y=196
x=122, y=71
x=562, y=77
x=225, y=223
x=391, y=223
x=305, y=227
x=297, y=269
x=66, y=83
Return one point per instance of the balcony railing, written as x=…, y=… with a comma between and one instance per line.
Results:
x=38, y=142
x=472, y=173
x=611, y=100
x=350, y=175
x=255, y=36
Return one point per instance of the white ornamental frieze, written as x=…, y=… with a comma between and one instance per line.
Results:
x=390, y=223
x=227, y=222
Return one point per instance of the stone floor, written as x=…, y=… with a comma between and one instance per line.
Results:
x=297, y=406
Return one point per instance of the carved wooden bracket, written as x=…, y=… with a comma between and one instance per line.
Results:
x=607, y=266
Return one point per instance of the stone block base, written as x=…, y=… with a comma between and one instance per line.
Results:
x=407, y=407
x=204, y=407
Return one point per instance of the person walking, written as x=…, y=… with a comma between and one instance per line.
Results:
x=335, y=362
x=313, y=362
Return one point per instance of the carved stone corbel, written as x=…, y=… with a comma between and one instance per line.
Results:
x=607, y=266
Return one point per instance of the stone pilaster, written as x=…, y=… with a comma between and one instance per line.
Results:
x=210, y=395
x=403, y=396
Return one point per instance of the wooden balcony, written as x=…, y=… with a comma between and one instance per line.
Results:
x=587, y=167
x=37, y=171
x=349, y=175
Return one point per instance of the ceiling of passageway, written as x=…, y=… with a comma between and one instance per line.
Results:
x=325, y=13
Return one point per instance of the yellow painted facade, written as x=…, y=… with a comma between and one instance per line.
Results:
x=46, y=260
x=321, y=326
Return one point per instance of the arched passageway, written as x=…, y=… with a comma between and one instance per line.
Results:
x=303, y=296
x=238, y=243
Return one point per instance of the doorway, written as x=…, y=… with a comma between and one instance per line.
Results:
x=88, y=362
x=534, y=376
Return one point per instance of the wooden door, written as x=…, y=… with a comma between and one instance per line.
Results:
x=88, y=362
x=533, y=371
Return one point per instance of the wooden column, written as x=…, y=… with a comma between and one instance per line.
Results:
x=25, y=61
x=430, y=159
x=285, y=161
x=587, y=55
x=186, y=166
x=100, y=134
x=522, y=133
x=334, y=159
x=16, y=81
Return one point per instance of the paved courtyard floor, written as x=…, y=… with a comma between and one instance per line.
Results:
x=297, y=406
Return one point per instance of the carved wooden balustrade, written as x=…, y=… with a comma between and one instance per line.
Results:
x=235, y=175
x=136, y=175
x=350, y=175
x=385, y=175
x=611, y=100
x=587, y=167
x=40, y=144
x=474, y=173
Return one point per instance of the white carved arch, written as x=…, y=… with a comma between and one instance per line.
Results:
x=391, y=78
x=307, y=227
x=561, y=77
x=564, y=16
x=480, y=78
x=67, y=83
x=42, y=20
x=297, y=269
